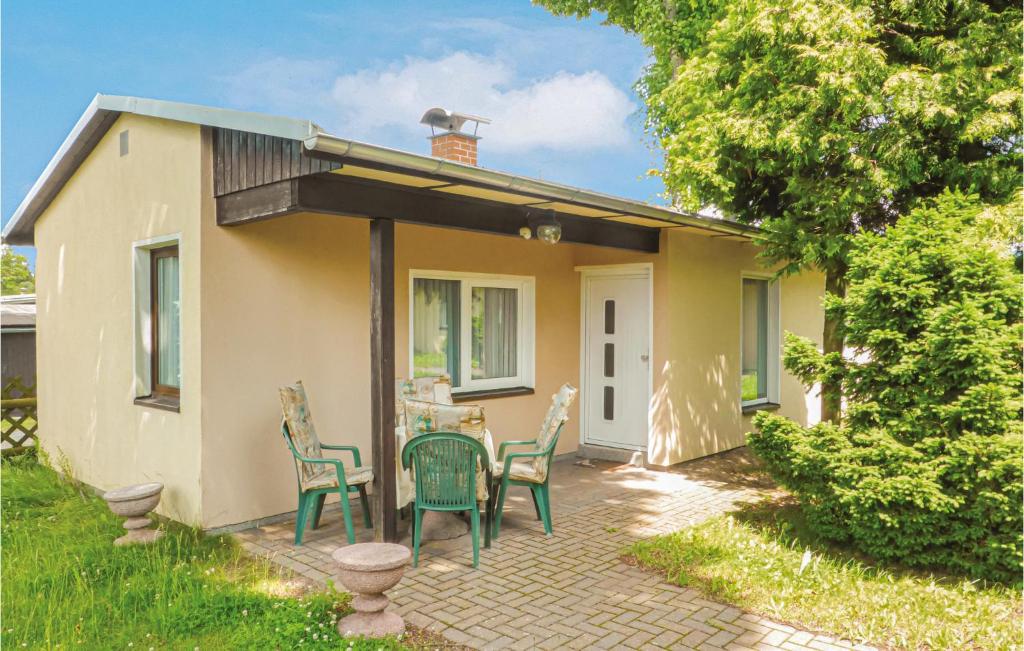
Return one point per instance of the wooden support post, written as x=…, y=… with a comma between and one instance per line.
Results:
x=382, y=378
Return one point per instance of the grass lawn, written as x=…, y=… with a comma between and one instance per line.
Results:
x=66, y=586
x=764, y=559
x=748, y=386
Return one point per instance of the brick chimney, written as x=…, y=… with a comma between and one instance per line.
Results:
x=448, y=140
x=456, y=146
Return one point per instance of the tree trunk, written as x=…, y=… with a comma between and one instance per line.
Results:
x=832, y=342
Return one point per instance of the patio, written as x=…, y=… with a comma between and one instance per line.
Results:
x=570, y=590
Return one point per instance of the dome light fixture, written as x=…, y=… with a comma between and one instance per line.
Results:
x=549, y=233
x=543, y=222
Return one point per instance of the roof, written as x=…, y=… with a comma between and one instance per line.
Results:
x=18, y=311
x=104, y=110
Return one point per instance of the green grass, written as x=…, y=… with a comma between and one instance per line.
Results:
x=748, y=386
x=764, y=559
x=66, y=586
x=429, y=363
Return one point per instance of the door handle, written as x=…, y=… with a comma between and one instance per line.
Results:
x=644, y=357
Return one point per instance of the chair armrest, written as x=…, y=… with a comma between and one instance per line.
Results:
x=350, y=448
x=501, y=448
x=520, y=455
x=338, y=466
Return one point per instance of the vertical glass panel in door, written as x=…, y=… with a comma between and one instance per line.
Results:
x=755, y=340
x=168, y=326
x=495, y=317
x=436, y=316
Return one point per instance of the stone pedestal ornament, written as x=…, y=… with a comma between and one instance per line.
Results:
x=135, y=503
x=367, y=570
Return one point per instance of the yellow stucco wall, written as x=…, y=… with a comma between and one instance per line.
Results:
x=695, y=409
x=84, y=283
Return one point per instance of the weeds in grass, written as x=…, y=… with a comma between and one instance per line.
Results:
x=764, y=559
x=65, y=585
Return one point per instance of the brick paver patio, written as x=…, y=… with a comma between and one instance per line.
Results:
x=570, y=590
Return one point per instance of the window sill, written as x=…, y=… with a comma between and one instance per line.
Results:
x=486, y=394
x=166, y=403
x=761, y=406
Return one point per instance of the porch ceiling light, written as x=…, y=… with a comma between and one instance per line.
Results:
x=548, y=229
x=549, y=233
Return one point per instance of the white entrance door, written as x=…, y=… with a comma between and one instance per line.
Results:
x=616, y=323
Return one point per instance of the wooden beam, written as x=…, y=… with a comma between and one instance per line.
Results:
x=339, y=195
x=382, y=378
x=259, y=203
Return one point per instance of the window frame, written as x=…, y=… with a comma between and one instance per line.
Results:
x=774, y=339
x=143, y=322
x=155, y=255
x=525, y=327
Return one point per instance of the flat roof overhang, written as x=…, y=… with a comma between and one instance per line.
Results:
x=336, y=194
x=259, y=177
x=313, y=151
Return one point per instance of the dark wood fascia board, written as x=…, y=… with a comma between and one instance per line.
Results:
x=257, y=204
x=333, y=194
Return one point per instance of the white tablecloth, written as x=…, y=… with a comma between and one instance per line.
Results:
x=404, y=477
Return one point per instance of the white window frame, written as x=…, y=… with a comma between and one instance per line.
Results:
x=525, y=327
x=774, y=339
x=142, y=318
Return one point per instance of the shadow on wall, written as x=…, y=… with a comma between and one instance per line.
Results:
x=695, y=410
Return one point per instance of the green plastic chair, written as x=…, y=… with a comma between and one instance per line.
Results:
x=532, y=469
x=316, y=476
x=446, y=465
x=315, y=497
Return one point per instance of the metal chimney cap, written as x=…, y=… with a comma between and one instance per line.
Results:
x=439, y=118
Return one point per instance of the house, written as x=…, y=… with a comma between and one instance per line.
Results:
x=18, y=339
x=191, y=260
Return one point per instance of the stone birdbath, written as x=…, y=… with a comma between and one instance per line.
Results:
x=368, y=570
x=135, y=503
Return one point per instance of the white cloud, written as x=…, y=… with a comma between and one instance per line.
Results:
x=564, y=111
x=284, y=85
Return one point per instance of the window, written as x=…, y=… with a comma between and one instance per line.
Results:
x=157, y=340
x=759, y=346
x=166, y=319
x=477, y=329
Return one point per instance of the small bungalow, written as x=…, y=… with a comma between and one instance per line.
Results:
x=18, y=339
x=191, y=260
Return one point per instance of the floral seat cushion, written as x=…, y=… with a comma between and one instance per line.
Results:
x=557, y=414
x=328, y=477
x=295, y=408
x=520, y=470
x=422, y=417
x=430, y=389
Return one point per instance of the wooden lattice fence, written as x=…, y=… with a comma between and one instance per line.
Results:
x=20, y=423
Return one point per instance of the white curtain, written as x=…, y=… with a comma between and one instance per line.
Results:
x=168, y=322
x=495, y=331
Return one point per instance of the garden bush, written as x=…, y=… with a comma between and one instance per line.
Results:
x=925, y=469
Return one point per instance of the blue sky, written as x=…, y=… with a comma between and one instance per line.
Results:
x=559, y=90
